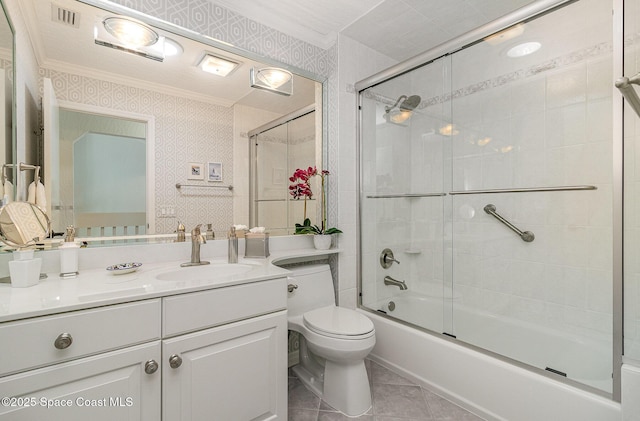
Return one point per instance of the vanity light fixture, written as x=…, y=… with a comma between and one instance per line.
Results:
x=217, y=65
x=131, y=33
x=273, y=79
x=130, y=36
x=402, y=110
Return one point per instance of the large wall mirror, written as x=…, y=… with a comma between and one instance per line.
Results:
x=136, y=140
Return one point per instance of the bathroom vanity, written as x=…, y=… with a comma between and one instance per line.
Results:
x=163, y=342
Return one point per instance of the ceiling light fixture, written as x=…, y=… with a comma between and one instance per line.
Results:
x=524, y=49
x=217, y=65
x=404, y=110
x=131, y=33
x=272, y=79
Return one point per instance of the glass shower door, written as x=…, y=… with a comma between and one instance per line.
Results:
x=532, y=152
x=404, y=173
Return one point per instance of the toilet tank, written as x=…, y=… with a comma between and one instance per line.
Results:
x=315, y=289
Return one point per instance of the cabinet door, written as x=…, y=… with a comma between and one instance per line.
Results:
x=110, y=386
x=233, y=372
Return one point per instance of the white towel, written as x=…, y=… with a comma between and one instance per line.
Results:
x=31, y=194
x=41, y=196
x=8, y=191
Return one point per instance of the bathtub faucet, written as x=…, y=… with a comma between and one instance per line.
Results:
x=388, y=280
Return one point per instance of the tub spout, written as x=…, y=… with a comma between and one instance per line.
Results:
x=388, y=280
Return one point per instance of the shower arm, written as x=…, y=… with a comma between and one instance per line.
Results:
x=527, y=236
x=625, y=85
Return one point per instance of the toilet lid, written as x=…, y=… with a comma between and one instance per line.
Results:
x=334, y=320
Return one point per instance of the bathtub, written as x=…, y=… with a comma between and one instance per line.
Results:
x=492, y=387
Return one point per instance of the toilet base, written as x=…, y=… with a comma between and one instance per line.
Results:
x=342, y=385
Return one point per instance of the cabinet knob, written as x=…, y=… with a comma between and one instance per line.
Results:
x=150, y=367
x=175, y=361
x=63, y=341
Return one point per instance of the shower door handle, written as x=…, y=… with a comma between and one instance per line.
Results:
x=527, y=236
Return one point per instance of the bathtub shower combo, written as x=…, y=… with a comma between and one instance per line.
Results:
x=489, y=175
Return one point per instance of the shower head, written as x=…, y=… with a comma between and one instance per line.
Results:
x=404, y=111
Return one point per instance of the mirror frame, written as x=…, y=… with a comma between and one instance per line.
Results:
x=14, y=129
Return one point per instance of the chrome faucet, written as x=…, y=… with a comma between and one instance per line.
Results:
x=388, y=280
x=197, y=238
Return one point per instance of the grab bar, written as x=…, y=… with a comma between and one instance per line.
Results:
x=527, y=236
x=525, y=190
x=624, y=84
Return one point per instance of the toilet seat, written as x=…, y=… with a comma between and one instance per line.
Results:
x=338, y=322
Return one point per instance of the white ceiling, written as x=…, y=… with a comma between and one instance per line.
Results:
x=399, y=29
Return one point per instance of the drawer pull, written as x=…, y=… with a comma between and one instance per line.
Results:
x=63, y=341
x=150, y=367
x=175, y=361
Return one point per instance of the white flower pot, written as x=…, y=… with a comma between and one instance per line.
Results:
x=322, y=242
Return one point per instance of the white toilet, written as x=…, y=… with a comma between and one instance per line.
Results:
x=333, y=341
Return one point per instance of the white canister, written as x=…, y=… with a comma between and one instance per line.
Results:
x=24, y=269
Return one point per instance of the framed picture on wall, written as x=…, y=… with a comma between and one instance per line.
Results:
x=214, y=171
x=196, y=171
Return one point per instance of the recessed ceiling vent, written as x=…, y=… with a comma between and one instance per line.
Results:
x=65, y=16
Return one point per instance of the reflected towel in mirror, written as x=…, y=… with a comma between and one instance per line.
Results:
x=36, y=194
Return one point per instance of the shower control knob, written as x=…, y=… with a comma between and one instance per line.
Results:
x=387, y=259
x=175, y=361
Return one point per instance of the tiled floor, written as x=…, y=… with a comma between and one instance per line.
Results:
x=394, y=399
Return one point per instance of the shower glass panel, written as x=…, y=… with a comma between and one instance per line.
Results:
x=405, y=172
x=631, y=190
x=522, y=121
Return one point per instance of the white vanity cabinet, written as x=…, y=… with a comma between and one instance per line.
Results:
x=68, y=371
x=217, y=354
x=236, y=370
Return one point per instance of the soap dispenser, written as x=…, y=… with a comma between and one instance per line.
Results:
x=69, y=254
x=233, y=246
x=181, y=233
x=210, y=235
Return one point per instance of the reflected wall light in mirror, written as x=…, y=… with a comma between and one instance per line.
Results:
x=272, y=79
x=131, y=36
x=216, y=65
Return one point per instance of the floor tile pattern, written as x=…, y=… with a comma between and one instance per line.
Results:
x=394, y=399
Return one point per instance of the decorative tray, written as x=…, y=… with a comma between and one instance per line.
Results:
x=122, y=268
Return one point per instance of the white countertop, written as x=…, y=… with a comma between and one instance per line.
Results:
x=95, y=287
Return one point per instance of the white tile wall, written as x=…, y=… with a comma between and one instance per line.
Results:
x=546, y=123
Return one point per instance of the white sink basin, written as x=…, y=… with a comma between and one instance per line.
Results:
x=209, y=273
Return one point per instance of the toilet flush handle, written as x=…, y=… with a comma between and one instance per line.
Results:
x=291, y=287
